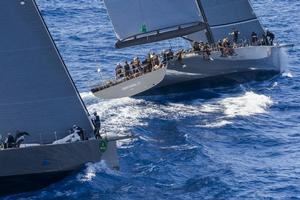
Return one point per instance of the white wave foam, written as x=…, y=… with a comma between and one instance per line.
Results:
x=92, y=169
x=275, y=85
x=86, y=95
x=148, y=139
x=126, y=144
x=287, y=74
x=119, y=116
x=89, y=98
x=217, y=124
x=210, y=108
x=248, y=104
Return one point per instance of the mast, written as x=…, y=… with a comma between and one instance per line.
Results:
x=239, y=15
x=209, y=35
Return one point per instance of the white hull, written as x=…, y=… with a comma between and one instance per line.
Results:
x=194, y=67
x=133, y=86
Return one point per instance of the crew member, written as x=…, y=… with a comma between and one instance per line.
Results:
x=170, y=54
x=206, y=51
x=265, y=39
x=196, y=47
x=79, y=131
x=9, y=141
x=127, y=69
x=155, y=62
x=270, y=37
x=119, y=71
x=136, y=66
x=254, y=38
x=201, y=46
x=235, y=35
x=97, y=124
x=226, y=44
x=180, y=57
x=221, y=47
x=147, y=64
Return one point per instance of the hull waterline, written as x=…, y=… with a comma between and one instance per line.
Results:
x=22, y=172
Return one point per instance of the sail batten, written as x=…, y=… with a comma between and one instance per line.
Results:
x=132, y=18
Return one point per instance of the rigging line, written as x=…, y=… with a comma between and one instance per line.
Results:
x=209, y=34
x=258, y=17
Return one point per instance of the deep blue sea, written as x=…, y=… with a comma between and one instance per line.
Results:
x=233, y=142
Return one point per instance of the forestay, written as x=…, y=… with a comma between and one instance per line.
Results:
x=134, y=18
x=37, y=92
x=225, y=16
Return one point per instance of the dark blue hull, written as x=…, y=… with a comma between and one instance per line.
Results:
x=25, y=183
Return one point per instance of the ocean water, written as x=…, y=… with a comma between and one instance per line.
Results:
x=233, y=142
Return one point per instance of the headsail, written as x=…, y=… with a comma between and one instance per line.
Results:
x=225, y=16
x=37, y=92
x=143, y=21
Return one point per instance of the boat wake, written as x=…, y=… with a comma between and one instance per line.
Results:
x=92, y=169
x=248, y=104
x=287, y=74
x=121, y=115
x=224, y=111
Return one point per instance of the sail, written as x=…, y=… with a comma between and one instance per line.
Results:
x=37, y=94
x=144, y=21
x=225, y=16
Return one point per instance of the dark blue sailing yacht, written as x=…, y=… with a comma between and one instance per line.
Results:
x=37, y=95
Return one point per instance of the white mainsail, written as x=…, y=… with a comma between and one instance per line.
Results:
x=161, y=19
x=225, y=16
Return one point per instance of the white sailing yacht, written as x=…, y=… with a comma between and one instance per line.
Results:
x=138, y=22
